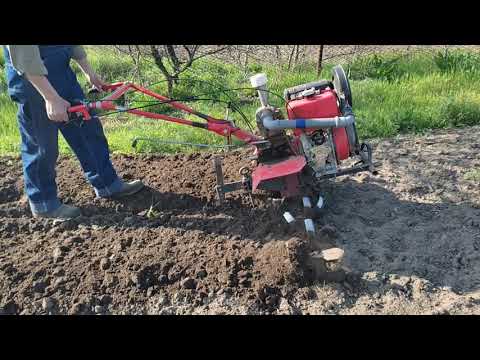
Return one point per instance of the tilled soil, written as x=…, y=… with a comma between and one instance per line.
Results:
x=411, y=236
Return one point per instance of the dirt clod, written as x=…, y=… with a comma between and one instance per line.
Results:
x=39, y=286
x=150, y=291
x=78, y=309
x=188, y=283
x=201, y=274
x=105, y=299
x=48, y=304
x=162, y=279
x=59, y=271
x=104, y=263
x=57, y=254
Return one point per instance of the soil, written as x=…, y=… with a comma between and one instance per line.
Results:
x=411, y=236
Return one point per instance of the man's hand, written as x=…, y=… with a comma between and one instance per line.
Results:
x=55, y=105
x=57, y=109
x=90, y=74
x=96, y=81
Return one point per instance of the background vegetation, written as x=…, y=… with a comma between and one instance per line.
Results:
x=392, y=94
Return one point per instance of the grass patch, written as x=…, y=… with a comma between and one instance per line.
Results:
x=9, y=135
x=392, y=94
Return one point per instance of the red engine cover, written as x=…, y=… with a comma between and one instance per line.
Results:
x=317, y=106
x=323, y=105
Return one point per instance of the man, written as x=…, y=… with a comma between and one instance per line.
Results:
x=42, y=83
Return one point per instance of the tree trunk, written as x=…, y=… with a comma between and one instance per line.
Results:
x=278, y=54
x=320, y=59
x=297, y=52
x=247, y=53
x=173, y=58
x=159, y=62
x=170, y=86
x=290, y=58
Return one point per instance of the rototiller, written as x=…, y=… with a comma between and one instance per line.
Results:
x=290, y=155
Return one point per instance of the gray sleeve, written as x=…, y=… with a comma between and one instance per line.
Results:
x=79, y=52
x=26, y=59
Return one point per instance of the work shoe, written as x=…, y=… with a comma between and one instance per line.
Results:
x=128, y=189
x=64, y=212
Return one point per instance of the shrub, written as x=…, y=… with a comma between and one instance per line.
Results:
x=457, y=60
x=381, y=67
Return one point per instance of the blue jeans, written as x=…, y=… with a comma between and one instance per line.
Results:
x=39, y=150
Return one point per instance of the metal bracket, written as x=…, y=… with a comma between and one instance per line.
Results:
x=221, y=188
x=217, y=163
x=366, y=164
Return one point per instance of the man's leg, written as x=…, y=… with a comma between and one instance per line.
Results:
x=89, y=144
x=39, y=150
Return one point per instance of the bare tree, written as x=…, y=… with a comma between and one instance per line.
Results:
x=171, y=60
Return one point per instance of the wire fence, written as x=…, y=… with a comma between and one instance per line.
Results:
x=292, y=56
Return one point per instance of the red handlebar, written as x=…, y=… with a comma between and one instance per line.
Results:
x=220, y=127
x=112, y=87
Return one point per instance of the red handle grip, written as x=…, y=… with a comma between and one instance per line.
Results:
x=82, y=110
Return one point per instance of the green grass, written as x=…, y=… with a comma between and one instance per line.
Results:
x=392, y=94
x=9, y=135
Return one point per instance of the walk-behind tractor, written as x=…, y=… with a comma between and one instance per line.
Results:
x=290, y=155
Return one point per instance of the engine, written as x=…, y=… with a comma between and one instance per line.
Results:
x=324, y=148
x=318, y=134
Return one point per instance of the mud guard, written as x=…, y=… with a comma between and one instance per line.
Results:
x=285, y=173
